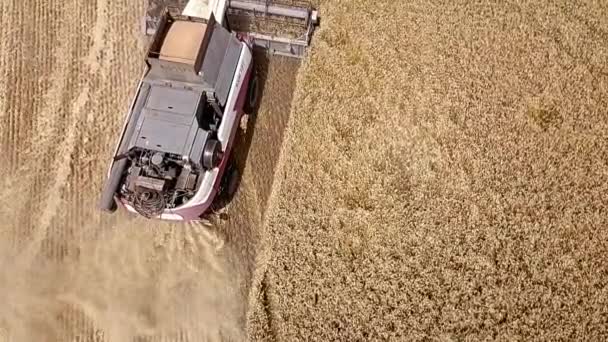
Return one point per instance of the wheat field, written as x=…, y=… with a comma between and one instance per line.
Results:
x=434, y=170
x=444, y=177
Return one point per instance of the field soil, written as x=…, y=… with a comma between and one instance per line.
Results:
x=70, y=273
x=444, y=177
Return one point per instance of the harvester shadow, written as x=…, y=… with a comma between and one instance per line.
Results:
x=244, y=138
x=259, y=145
x=267, y=127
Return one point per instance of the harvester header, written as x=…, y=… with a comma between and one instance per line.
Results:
x=278, y=28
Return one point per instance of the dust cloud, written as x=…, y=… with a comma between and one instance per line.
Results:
x=129, y=281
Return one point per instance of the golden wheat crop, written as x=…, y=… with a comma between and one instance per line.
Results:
x=443, y=177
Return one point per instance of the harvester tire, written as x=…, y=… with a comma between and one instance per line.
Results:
x=232, y=183
x=253, y=94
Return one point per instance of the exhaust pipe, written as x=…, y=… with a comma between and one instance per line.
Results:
x=108, y=201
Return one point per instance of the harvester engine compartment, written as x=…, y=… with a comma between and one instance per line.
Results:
x=158, y=180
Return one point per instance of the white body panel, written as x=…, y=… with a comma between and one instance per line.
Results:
x=204, y=8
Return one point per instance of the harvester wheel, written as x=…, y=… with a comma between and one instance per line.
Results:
x=253, y=94
x=232, y=182
x=212, y=154
x=228, y=187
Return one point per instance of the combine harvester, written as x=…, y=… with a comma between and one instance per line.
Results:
x=173, y=155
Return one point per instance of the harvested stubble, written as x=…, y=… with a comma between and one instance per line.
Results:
x=444, y=177
x=69, y=272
